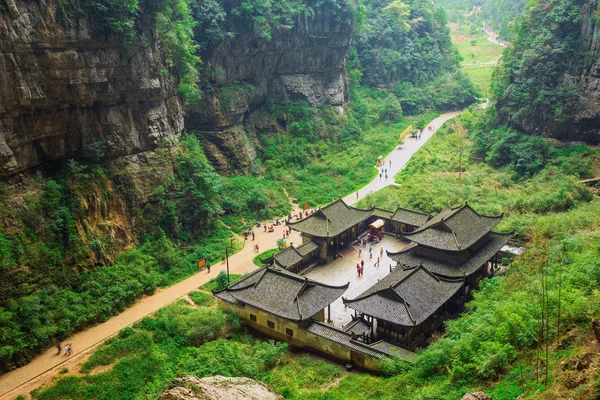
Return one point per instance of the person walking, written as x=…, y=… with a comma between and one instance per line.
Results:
x=67, y=349
x=362, y=263
x=208, y=268
x=253, y=235
x=380, y=176
x=358, y=269
x=390, y=163
x=359, y=252
x=381, y=252
x=377, y=263
x=265, y=226
x=386, y=176
x=357, y=195
x=59, y=348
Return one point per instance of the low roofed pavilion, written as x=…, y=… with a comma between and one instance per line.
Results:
x=281, y=293
x=406, y=305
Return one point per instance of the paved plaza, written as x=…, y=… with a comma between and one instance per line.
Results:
x=343, y=270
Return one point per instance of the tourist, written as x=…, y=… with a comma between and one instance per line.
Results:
x=380, y=176
x=386, y=177
x=381, y=252
x=357, y=195
x=390, y=163
x=370, y=249
x=59, y=348
x=377, y=263
x=359, y=252
x=208, y=268
x=252, y=235
x=358, y=269
x=265, y=226
x=362, y=263
x=67, y=349
x=256, y=248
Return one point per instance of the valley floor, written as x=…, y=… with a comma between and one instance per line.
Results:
x=40, y=370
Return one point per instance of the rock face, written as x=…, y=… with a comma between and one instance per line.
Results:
x=582, y=123
x=61, y=90
x=306, y=62
x=217, y=388
x=477, y=396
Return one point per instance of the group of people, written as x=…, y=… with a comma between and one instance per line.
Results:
x=68, y=349
x=494, y=36
x=383, y=173
x=360, y=266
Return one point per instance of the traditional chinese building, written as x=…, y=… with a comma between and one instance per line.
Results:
x=456, y=243
x=407, y=305
x=291, y=308
x=448, y=256
x=334, y=227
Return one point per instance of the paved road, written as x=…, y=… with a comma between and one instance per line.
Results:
x=46, y=365
x=399, y=157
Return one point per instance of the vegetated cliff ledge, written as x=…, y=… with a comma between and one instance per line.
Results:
x=61, y=90
x=550, y=78
x=305, y=62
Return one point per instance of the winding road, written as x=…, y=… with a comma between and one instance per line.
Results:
x=48, y=364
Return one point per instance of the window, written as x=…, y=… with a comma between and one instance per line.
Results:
x=252, y=317
x=271, y=324
x=289, y=332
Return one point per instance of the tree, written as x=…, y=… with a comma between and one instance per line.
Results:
x=458, y=140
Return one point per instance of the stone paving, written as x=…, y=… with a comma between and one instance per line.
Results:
x=343, y=270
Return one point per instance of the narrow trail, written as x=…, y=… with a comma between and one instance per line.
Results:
x=48, y=364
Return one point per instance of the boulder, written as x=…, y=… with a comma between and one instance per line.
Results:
x=217, y=387
x=477, y=396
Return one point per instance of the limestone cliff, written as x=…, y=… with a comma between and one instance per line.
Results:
x=550, y=83
x=61, y=90
x=306, y=62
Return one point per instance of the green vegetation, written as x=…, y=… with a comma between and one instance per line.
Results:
x=124, y=20
x=529, y=84
x=201, y=299
x=478, y=56
x=319, y=154
x=523, y=176
x=182, y=221
x=264, y=255
x=178, y=339
x=406, y=47
x=220, y=281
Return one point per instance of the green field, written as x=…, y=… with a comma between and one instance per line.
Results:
x=477, y=52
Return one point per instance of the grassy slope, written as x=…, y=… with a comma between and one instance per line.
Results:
x=484, y=52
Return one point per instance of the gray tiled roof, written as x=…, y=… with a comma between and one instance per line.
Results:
x=452, y=266
x=453, y=229
x=404, y=297
x=331, y=220
x=292, y=255
x=376, y=350
x=307, y=247
x=287, y=257
x=282, y=293
x=381, y=213
x=410, y=217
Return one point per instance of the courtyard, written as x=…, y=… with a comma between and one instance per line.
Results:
x=343, y=270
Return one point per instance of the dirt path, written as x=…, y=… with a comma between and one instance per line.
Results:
x=47, y=365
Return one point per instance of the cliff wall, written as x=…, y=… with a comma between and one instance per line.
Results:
x=61, y=90
x=306, y=62
x=550, y=78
